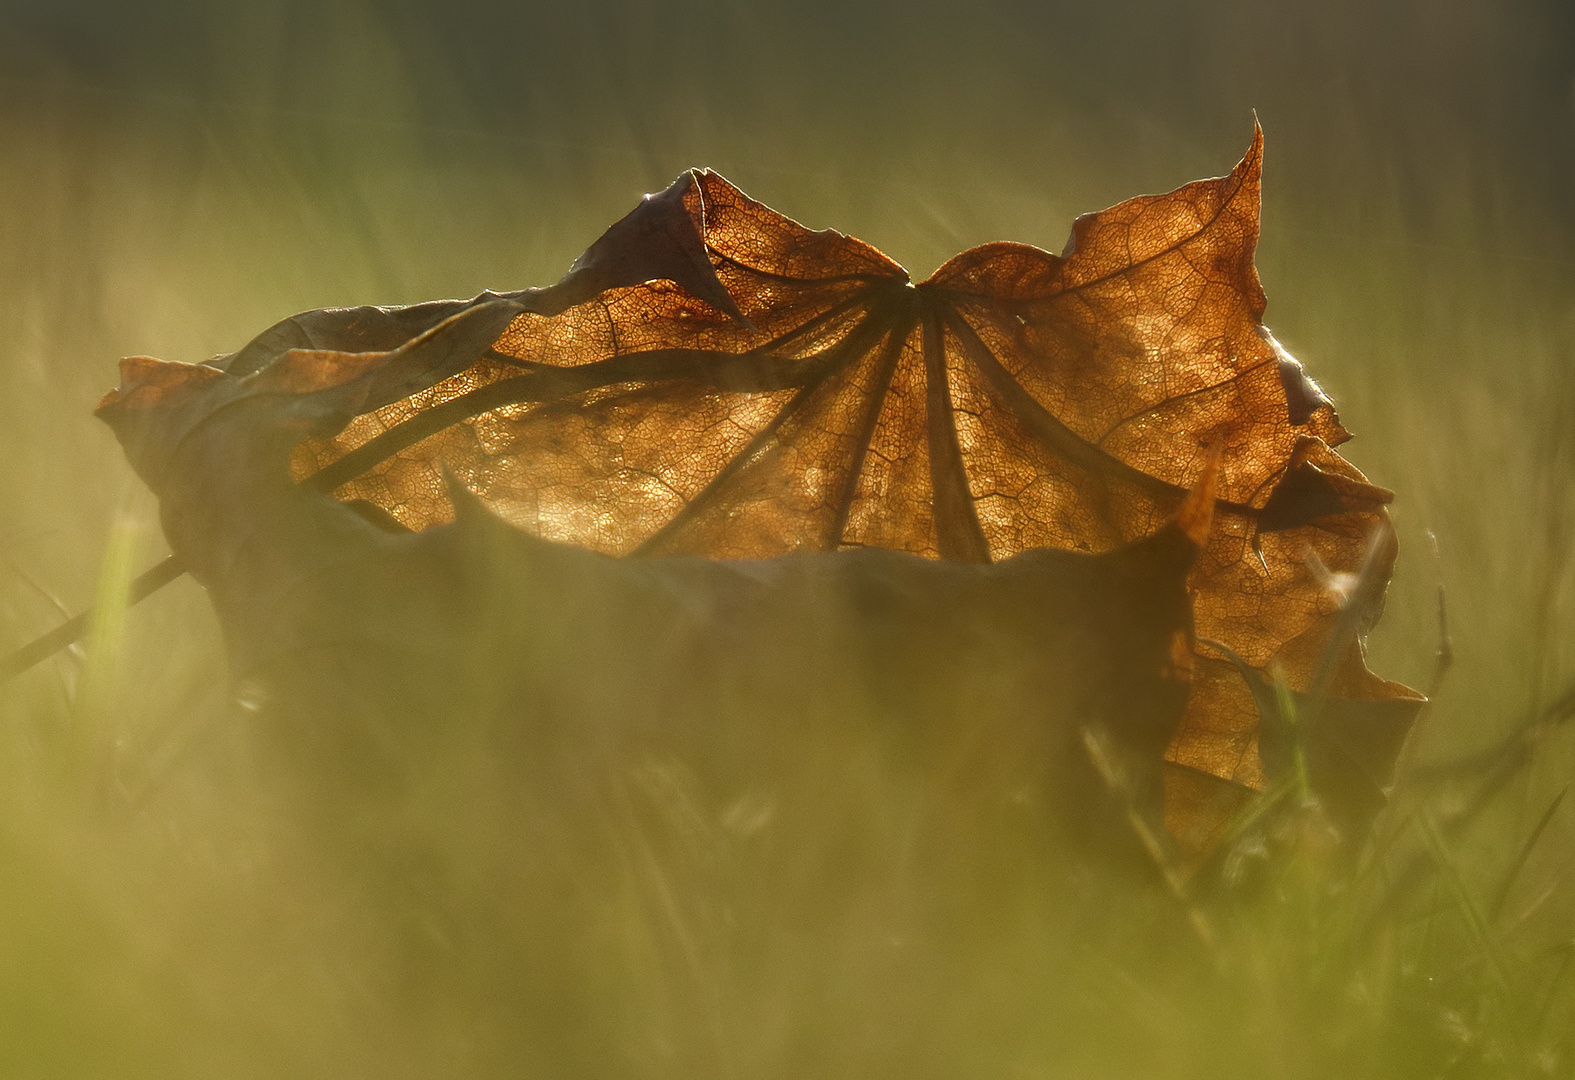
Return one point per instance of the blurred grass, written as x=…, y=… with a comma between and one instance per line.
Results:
x=175, y=177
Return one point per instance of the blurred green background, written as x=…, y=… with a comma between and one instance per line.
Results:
x=176, y=176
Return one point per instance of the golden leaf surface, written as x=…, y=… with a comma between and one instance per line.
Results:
x=715, y=379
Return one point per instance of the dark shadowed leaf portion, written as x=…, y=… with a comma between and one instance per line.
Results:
x=713, y=378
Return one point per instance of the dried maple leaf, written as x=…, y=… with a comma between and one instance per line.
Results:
x=359, y=645
x=712, y=378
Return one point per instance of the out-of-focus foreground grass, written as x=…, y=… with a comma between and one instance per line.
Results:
x=172, y=180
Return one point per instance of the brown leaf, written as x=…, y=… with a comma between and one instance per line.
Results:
x=712, y=378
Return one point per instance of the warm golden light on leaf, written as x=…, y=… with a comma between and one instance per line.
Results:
x=712, y=378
